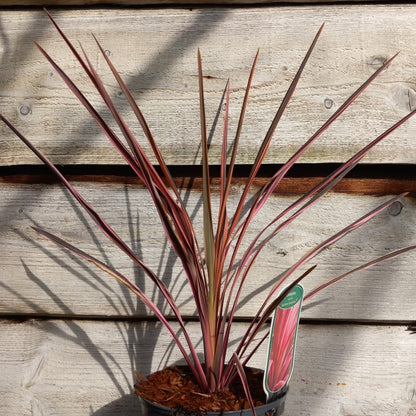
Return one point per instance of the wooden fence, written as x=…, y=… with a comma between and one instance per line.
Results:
x=70, y=337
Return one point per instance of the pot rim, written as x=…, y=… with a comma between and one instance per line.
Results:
x=270, y=405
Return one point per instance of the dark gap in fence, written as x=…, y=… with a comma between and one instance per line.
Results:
x=22, y=318
x=380, y=179
x=370, y=171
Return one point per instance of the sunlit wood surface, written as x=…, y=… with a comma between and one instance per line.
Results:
x=70, y=337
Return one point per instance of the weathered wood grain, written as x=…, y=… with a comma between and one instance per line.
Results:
x=155, y=2
x=77, y=367
x=38, y=278
x=86, y=367
x=155, y=51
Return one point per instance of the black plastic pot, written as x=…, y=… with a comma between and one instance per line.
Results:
x=274, y=408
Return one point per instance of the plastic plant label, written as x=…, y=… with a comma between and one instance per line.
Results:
x=282, y=341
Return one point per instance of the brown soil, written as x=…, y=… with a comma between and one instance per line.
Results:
x=174, y=387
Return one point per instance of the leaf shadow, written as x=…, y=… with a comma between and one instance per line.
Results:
x=85, y=131
x=131, y=330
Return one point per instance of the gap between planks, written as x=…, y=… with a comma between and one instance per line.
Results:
x=411, y=325
x=366, y=180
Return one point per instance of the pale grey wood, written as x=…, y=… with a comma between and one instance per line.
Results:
x=86, y=367
x=38, y=277
x=155, y=51
x=153, y=2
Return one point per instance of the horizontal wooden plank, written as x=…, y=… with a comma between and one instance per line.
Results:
x=155, y=51
x=157, y=2
x=86, y=367
x=38, y=278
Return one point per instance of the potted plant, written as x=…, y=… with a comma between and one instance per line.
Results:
x=215, y=264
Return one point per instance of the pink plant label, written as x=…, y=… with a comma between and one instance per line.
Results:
x=282, y=341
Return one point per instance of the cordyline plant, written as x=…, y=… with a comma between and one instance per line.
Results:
x=217, y=267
